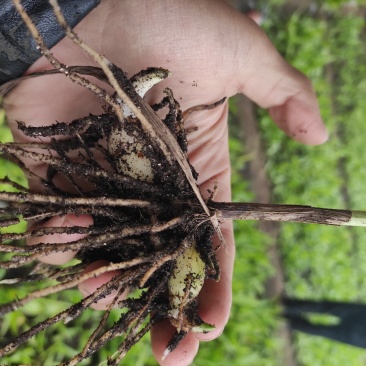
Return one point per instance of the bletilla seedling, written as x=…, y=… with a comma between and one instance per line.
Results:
x=134, y=177
x=151, y=222
x=127, y=141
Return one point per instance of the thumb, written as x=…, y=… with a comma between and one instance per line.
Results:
x=288, y=95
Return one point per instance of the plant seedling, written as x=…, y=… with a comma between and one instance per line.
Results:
x=150, y=220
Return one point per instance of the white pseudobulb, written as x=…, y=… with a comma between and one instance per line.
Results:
x=187, y=280
x=133, y=162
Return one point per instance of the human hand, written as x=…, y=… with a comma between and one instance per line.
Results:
x=212, y=51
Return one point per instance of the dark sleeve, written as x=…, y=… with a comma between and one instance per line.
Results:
x=18, y=50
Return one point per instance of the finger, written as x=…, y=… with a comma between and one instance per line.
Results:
x=208, y=152
x=61, y=221
x=267, y=79
x=214, y=308
x=215, y=297
x=183, y=355
x=299, y=116
x=92, y=284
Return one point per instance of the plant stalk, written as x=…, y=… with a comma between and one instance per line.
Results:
x=288, y=213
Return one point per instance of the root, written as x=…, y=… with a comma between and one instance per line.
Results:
x=144, y=223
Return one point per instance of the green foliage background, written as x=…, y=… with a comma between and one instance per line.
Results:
x=320, y=262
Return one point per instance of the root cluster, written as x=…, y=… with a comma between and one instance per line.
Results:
x=141, y=225
x=129, y=170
